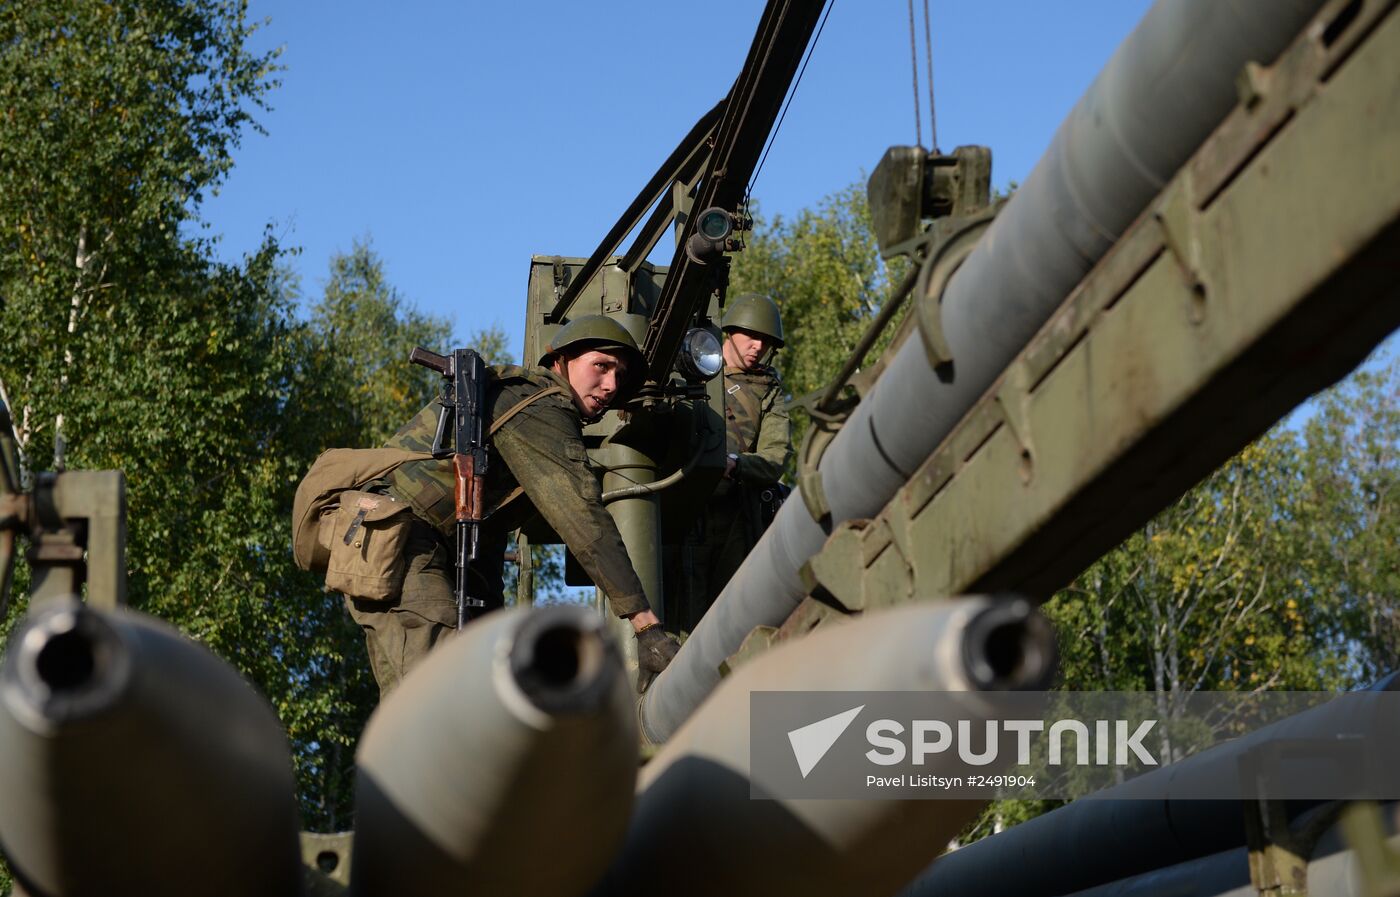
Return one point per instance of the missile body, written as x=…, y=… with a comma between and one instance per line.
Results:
x=1152, y=821
x=1169, y=84
x=504, y=765
x=136, y=762
x=1331, y=869
x=694, y=797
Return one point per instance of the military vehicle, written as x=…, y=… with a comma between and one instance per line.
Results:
x=1209, y=239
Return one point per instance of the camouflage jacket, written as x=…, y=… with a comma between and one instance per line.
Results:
x=540, y=451
x=757, y=420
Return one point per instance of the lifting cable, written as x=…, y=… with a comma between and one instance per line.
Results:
x=914, y=66
x=932, y=119
x=772, y=137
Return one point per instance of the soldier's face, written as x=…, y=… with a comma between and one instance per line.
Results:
x=743, y=348
x=595, y=378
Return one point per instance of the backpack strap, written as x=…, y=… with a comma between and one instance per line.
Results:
x=521, y=405
x=500, y=421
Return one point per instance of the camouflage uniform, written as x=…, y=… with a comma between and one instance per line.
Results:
x=538, y=451
x=760, y=433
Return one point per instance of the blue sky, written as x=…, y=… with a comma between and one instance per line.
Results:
x=464, y=137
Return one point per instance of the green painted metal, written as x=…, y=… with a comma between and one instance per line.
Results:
x=1174, y=352
x=525, y=567
x=75, y=523
x=1102, y=172
x=97, y=498
x=325, y=860
x=639, y=521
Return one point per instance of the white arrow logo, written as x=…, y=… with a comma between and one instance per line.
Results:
x=810, y=743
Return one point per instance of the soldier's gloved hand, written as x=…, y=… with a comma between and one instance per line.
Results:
x=655, y=648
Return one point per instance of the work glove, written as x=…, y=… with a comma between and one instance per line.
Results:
x=655, y=649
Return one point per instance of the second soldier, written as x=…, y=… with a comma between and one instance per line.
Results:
x=758, y=445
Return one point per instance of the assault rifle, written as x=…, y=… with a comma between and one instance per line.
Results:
x=463, y=408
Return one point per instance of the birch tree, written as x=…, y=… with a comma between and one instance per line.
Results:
x=116, y=119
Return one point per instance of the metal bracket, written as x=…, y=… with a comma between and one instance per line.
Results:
x=820, y=433
x=949, y=242
x=833, y=575
x=1013, y=397
x=1279, y=851
x=1174, y=217
x=1278, y=863
x=560, y=274
x=326, y=863
x=808, y=615
x=1377, y=862
x=76, y=525
x=759, y=640
x=952, y=241
x=1252, y=84
x=840, y=576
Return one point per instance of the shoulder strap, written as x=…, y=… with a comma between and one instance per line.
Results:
x=745, y=395
x=499, y=422
x=521, y=405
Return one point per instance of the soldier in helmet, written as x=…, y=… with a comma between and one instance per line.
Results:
x=758, y=445
x=538, y=465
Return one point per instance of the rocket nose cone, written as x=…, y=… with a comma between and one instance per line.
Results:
x=559, y=659
x=67, y=663
x=1010, y=645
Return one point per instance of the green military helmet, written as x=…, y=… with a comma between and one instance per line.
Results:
x=602, y=333
x=755, y=313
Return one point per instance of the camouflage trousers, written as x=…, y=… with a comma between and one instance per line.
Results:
x=400, y=634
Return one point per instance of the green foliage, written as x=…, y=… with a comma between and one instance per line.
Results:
x=493, y=345
x=198, y=379
x=1278, y=571
x=1211, y=594
x=1352, y=468
x=214, y=417
x=361, y=334
x=116, y=119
